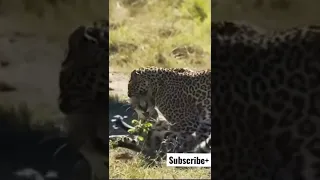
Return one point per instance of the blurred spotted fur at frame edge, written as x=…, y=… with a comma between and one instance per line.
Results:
x=266, y=101
x=87, y=50
x=98, y=32
x=228, y=28
x=83, y=36
x=27, y=153
x=83, y=76
x=82, y=93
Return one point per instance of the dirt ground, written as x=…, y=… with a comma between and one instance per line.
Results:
x=30, y=64
x=118, y=82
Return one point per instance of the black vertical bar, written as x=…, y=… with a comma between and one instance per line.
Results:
x=212, y=84
x=108, y=108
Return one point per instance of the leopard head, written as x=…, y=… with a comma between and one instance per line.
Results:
x=140, y=94
x=138, y=85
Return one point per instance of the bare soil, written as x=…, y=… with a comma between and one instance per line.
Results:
x=118, y=82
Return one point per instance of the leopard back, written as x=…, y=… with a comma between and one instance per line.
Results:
x=264, y=95
x=176, y=92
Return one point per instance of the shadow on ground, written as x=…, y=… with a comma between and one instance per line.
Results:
x=122, y=108
x=26, y=153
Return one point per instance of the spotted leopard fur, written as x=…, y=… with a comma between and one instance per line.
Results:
x=266, y=104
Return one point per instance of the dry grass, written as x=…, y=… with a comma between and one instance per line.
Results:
x=160, y=33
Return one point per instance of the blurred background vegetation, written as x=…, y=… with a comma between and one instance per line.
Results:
x=53, y=18
x=269, y=14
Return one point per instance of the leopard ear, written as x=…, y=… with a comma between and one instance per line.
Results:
x=134, y=73
x=87, y=35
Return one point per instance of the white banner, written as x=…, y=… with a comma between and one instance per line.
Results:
x=189, y=159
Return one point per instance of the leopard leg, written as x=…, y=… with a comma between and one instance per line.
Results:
x=203, y=136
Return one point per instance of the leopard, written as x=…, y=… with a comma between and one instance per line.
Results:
x=82, y=94
x=182, y=96
x=266, y=104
